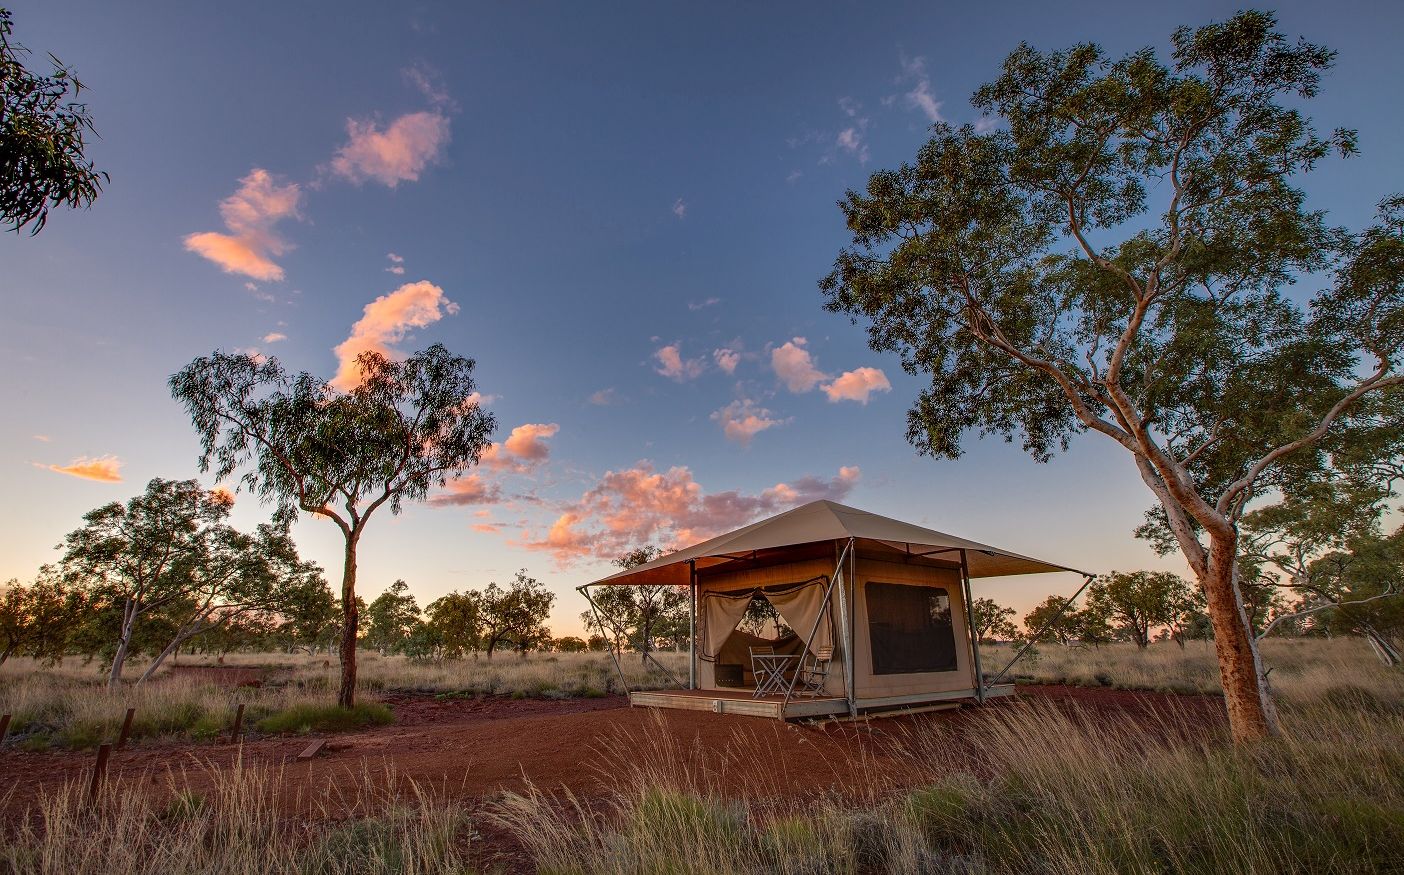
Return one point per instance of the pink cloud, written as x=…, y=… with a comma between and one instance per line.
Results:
x=795, y=367
x=486, y=528
x=250, y=215
x=727, y=359
x=104, y=469
x=743, y=419
x=395, y=155
x=640, y=505
x=465, y=491
x=524, y=449
x=672, y=365
x=385, y=321
x=857, y=385
x=605, y=397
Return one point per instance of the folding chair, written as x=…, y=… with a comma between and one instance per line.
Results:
x=811, y=679
x=762, y=671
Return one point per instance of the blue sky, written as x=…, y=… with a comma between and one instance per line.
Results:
x=589, y=187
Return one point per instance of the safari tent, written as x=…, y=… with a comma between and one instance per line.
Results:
x=872, y=615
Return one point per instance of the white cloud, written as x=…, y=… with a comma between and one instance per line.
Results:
x=274, y=337
x=680, y=208
x=920, y=96
x=857, y=385
x=743, y=419
x=702, y=305
x=727, y=359
x=794, y=366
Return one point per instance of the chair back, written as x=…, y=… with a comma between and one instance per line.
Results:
x=762, y=651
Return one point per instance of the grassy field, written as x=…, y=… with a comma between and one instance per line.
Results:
x=69, y=706
x=1049, y=789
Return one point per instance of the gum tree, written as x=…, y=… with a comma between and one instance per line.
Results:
x=305, y=447
x=1117, y=256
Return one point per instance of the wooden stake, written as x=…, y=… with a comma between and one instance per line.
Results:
x=238, y=724
x=99, y=769
x=126, y=728
x=4, y=726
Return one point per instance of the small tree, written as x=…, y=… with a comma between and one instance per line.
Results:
x=455, y=620
x=992, y=620
x=1064, y=629
x=515, y=614
x=139, y=557
x=308, y=448
x=1141, y=601
x=1115, y=259
x=42, y=139
x=569, y=644
x=639, y=615
x=309, y=614
x=39, y=618
x=392, y=618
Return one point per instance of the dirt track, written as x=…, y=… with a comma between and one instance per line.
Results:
x=471, y=748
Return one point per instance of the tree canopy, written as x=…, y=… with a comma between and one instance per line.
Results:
x=296, y=442
x=43, y=139
x=1118, y=256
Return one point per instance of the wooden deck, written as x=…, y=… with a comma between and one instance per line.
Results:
x=739, y=702
x=743, y=703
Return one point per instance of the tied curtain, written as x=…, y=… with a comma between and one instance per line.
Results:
x=799, y=605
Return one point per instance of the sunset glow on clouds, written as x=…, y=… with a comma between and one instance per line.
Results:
x=397, y=154
x=466, y=491
x=385, y=322
x=743, y=419
x=524, y=448
x=794, y=366
x=857, y=385
x=672, y=365
x=251, y=215
x=640, y=505
x=104, y=469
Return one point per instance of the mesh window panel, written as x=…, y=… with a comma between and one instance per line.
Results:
x=910, y=628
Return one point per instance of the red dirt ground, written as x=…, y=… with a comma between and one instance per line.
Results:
x=473, y=748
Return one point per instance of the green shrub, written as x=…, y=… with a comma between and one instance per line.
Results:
x=326, y=718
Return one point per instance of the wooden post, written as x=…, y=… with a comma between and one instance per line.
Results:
x=99, y=769
x=238, y=724
x=126, y=729
x=4, y=726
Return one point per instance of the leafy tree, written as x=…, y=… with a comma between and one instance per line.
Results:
x=1064, y=629
x=392, y=618
x=138, y=557
x=640, y=615
x=1115, y=258
x=308, y=448
x=39, y=619
x=1140, y=601
x=570, y=644
x=454, y=619
x=42, y=139
x=234, y=580
x=598, y=643
x=992, y=620
x=309, y=614
x=515, y=614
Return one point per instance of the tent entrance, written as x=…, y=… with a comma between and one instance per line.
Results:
x=803, y=608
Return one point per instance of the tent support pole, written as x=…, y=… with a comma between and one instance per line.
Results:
x=613, y=652
x=692, y=624
x=846, y=626
x=828, y=595
x=974, y=629
x=1033, y=639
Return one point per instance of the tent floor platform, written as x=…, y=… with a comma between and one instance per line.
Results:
x=800, y=707
x=740, y=702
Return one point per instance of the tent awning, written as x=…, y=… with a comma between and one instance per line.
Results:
x=827, y=521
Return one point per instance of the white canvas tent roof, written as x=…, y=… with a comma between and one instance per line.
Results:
x=829, y=521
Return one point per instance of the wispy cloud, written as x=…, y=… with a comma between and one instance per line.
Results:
x=274, y=337
x=397, y=264
x=727, y=359
x=104, y=469
x=672, y=365
x=920, y=96
x=641, y=505
x=398, y=153
x=680, y=208
x=606, y=397
x=702, y=305
x=467, y=491
x=743, y=419
x=251, y=216
x=42, y=438
x=385, y=321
